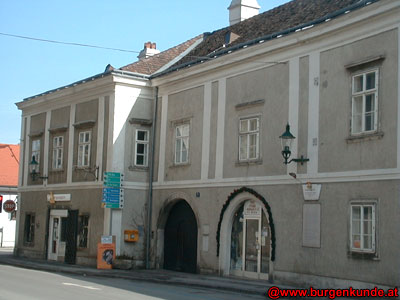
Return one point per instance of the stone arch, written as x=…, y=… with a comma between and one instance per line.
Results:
x=163, y=214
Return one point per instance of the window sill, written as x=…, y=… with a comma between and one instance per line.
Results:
x=362, y=137
x=56, y=171
x=82, y=168
x=138, y=168
x=180, y=165
x=363, y=255
x=249, y=162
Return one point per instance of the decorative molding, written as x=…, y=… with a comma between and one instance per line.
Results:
x=84, y=124
x=363, y=62
x=143, y=122
x=58, y=129
x=36, y=134
x=250, y=104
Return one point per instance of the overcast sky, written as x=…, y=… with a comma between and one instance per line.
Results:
x=31, y=67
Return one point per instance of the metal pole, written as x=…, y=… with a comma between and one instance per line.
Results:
x=151, y=174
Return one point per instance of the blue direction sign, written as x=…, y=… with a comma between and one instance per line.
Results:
x=113, y=194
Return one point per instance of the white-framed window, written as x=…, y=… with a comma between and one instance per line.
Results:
x=182, y=143
x=362, y=231
x=58, y=147
x=141, y=148
x=365, y=102
x=249, y=138
x=36, y=150
x=84, y=148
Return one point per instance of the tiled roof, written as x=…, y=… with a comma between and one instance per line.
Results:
x=9, y=165
x=282, y=18
x=152, y=64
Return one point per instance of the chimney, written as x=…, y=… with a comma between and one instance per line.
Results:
x=149, y=49
x=240, y=10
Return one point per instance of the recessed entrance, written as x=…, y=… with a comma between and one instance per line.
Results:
x=56, y=246
x=250, y=242
x=180, y=239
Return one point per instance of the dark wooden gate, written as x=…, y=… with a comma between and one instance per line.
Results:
x=71, y=233
x=180, y=239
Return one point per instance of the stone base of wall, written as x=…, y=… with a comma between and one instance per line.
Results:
x=322, y=282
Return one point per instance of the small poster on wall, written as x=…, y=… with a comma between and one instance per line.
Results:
x=311, y=191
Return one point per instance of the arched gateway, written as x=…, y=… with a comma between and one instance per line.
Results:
x=180, y=239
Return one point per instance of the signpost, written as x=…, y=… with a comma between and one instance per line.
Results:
x=113, y=193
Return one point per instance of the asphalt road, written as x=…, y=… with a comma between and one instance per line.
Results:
x=23, y=284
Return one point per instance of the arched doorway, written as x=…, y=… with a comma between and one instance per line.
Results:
x=250, y=241
x=180, y=239
x=246, y=236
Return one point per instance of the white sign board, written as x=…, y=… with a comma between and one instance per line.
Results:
x=106, y=239
x=58, y=197
x=312, y=225
x=311, y=191
x=252, y=209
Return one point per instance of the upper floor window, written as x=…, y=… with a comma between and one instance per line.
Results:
x=362, y=237
x=36, y=150
x=365, y=102
x=58, y=146
x=84, y=149
x=182, y=143
x=141, y=148
x=249, y=137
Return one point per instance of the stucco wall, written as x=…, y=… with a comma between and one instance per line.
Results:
x=335, y=152
x=59, y=124
x=332, y=259
x=268, y=84
x=186, y=106
x=86, y=111
x=87, y=201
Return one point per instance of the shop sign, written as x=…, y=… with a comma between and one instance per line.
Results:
x=252, y=209
x=58, y=197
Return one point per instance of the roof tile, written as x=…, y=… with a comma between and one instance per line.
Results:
x=151, y=64
x=287, y=16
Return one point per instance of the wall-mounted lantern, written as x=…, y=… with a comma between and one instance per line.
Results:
x=286, y=139
x=34, y=170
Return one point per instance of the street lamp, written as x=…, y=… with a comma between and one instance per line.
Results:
x=286, y=140
x=34, y=170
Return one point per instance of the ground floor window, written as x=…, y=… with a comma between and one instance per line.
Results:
x=362, y=238
x=83, y=231
x=29, y=232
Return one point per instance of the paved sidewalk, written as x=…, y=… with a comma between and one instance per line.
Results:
x=246, y=286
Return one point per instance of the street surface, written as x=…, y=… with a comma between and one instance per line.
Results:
x=23, y=284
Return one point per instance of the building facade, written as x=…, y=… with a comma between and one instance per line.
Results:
x=198, y=140
x=75, y=134
x=224, y=201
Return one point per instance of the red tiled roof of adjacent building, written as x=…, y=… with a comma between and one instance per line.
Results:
x=152, y=64
x=9, y=165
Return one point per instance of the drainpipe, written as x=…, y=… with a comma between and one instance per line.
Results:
x=151, y=175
